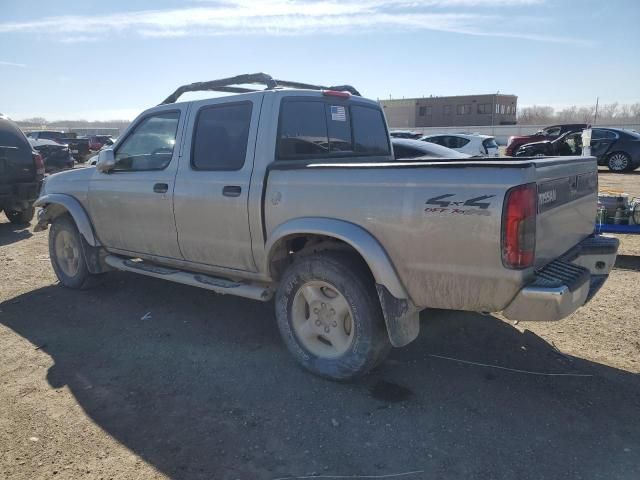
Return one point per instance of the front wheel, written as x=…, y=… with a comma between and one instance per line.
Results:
x=619, y=162
x=20, y=217
x=329, y=316
x=67, y=257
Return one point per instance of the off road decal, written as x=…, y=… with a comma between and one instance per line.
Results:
x=447, y=205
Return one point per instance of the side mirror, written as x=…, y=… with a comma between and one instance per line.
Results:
x=106, y=160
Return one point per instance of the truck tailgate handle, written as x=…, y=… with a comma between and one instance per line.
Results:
x=232, y=191
x=160, y=188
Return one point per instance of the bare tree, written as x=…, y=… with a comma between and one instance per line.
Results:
x=612, y=113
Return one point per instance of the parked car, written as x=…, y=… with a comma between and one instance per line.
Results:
x=405, y=134
x=616, y=148
x=93, y=160
x=404, y=148
x=294, y=193
x=78, y=146
x=549, y=133
x=569, y=143
x=475, y=144
x=21, y=171
x=96, y=142
x=56, y=157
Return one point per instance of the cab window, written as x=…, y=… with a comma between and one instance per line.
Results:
x=150, y=145
x=327, y=128
x=221, y=134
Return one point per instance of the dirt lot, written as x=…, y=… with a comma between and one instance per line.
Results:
x=204, y=389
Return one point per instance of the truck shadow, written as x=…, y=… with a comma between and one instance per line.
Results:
x=200, y=386
x=10, y=233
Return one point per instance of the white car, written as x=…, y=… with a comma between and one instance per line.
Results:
x=475, y=144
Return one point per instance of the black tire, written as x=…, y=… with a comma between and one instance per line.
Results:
x=20, y=217
x=619, y=162
x=348, y=275
x=80, y=277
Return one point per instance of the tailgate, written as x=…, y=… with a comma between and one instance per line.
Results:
x=567, y=204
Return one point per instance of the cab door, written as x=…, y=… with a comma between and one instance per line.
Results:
x=212, y=185
x=601, y=141
x=131, y=206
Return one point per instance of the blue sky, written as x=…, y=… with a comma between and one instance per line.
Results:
x=100, y=60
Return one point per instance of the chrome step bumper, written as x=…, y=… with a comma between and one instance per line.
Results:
x=565, y=284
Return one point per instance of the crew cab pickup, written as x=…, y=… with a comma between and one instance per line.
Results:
x=294, y=193
x=78, y=146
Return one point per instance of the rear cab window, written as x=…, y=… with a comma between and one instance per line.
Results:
x=312, y=127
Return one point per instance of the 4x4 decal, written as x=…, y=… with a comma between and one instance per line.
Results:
x=444, y=206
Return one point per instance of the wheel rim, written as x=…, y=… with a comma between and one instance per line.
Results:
x=322, y=319
x=67, y=253
x=618, y=161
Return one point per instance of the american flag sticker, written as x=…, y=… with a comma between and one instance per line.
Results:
x=338, y=113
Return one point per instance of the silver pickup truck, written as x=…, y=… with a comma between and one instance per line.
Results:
x=292, y=192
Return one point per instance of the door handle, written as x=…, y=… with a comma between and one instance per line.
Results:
x=232, y=191
x=160, y=188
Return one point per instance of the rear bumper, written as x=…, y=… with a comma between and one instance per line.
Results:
x=565, y=284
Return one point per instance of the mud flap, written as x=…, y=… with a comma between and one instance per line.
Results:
x=94, y=257
x=400, y=316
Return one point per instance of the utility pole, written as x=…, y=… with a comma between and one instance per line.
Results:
x=493, y=112
x=595, y=115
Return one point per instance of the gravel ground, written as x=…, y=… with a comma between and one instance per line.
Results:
x=203, y=388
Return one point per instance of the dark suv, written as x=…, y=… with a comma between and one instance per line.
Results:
x=21, y=173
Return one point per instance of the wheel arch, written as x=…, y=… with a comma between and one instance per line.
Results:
x=348, y=233
x=400, y=314
x=56, y=204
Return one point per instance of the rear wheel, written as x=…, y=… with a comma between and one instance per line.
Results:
x=67, y=257
x=619, y=162
x=20, y=217
x=329, y=316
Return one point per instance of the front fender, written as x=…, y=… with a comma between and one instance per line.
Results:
x=55, y=204
x=400, y=314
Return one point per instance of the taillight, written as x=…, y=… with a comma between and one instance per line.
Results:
x=39, y=163
x=519, y=227
x=336, y=93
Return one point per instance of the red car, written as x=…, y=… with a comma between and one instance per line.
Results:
x=549, y=133
x=96, y=142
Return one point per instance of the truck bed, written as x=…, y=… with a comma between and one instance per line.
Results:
x=440, y=221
